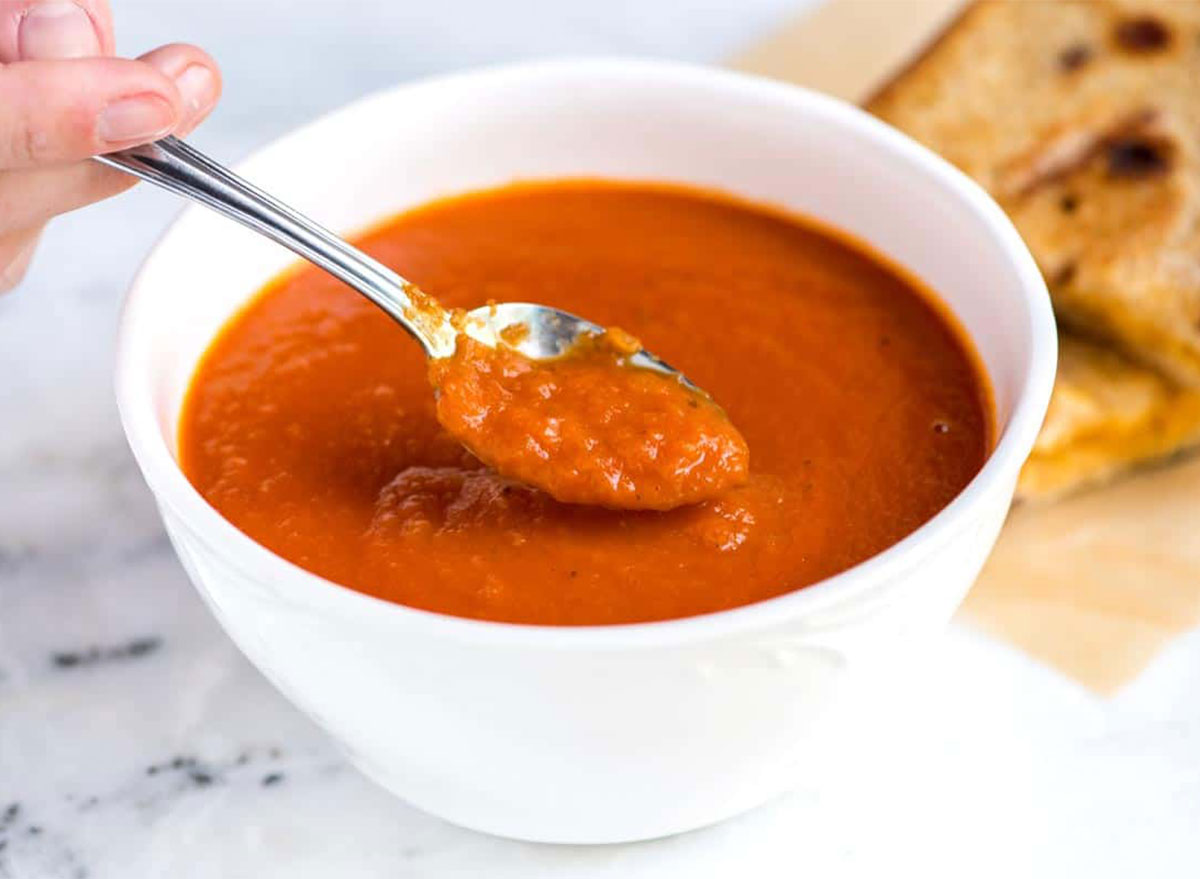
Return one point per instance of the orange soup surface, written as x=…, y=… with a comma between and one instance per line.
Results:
x=311, y=426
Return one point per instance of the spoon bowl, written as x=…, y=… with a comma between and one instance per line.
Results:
x=549, y=333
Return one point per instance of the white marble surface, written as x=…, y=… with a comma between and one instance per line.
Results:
x=136, y=742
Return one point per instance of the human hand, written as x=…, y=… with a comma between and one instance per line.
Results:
x=63, y=99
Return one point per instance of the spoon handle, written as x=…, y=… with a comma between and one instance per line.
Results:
x=184, y=170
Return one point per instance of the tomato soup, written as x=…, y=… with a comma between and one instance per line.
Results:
x=311, y=426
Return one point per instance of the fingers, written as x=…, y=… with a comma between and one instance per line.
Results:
x=52, y=112
x=198, y=79
x=62, y=111
x=33, y=196
x=32, y=31
x=16, y=252
x=53, y=115
x=195, y=75
x=38, y=30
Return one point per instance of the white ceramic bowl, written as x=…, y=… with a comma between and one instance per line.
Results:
x=595, y=734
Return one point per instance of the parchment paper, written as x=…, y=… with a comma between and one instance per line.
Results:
x=1094, y=585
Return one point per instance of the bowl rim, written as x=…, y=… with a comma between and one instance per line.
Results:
x=173, y=491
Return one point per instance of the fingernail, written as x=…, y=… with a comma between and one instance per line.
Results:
x=198, y=87
x=144, y=118
x=57, y=29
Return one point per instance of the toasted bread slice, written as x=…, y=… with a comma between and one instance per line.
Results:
x=1106, y=415
x=1083, y=120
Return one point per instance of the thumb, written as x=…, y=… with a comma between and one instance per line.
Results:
x=41, y=30
x=53, y=112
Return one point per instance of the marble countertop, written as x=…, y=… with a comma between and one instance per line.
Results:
x=135, y=741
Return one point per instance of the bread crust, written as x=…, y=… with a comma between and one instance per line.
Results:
x=1083, y=120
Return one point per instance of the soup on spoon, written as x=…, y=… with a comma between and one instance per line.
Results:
x=588, y=427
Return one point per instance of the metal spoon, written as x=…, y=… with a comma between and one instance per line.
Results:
x=184, y=170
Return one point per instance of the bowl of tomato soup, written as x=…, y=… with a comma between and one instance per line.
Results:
x=560, y=666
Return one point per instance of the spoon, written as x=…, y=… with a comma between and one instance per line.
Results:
x=548, y=332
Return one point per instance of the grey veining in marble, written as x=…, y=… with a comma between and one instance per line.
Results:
x=135, y=741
